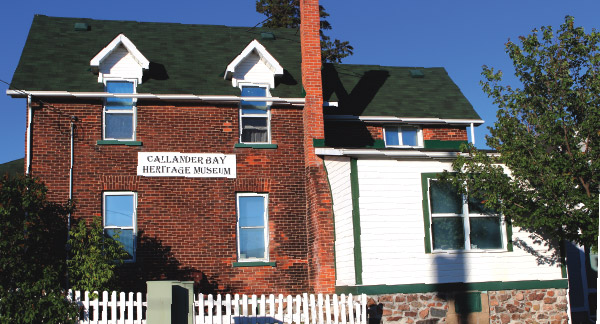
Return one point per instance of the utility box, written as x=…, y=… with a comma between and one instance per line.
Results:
x=170, y=301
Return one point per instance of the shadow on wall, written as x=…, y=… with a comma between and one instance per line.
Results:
x=451, y=275
x=155, y=261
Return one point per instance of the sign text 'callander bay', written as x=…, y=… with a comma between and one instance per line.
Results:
x=191, y=165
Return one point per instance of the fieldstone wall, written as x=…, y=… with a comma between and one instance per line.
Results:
x=528, y=306
x=540, y=306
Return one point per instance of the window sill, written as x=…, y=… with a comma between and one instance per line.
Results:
x=256, y=146
x=468, y=251
x=253, y=264
x=117, y=142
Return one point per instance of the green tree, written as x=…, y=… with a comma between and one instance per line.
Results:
x=32, y=255
x=94, y=257
x=547, y=135
x=286, y=14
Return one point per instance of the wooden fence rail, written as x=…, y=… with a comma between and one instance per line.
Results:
x=113, y=308
x=305, y=309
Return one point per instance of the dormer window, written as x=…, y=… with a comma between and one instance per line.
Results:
x=119, y=113
x=403, y=136
x=255, y=124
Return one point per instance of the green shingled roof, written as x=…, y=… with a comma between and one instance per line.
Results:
x=373, y=90
x=185, y=59
x=191, y=59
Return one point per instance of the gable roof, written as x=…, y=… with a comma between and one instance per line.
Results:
x=192, y=59
x=183, y=59
x=265, y=57
x=120, y=40
x=373, y=90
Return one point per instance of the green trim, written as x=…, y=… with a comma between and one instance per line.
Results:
x=459, y=286
x=253, y=264
x=469, y=302
x=116, y=142
x=437, y=144
x=563, y=259
x=318, y=142
x=509, y=233
x=256, y=146
x=425, y=202
x=334, y=238
x=356, y=221
x=378, y=143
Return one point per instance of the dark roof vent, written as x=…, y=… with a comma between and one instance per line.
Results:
x=267, y=35
x=417, y=74
x=81, y=26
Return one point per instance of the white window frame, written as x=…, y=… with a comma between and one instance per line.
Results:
x=399, y=131
x=465, y=215
x=133, y=111
x=265, y=227
x=267, y=115
x=134, y=216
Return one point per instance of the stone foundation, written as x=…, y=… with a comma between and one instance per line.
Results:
x=538, y=306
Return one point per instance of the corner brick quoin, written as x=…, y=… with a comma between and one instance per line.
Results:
x=536, y=306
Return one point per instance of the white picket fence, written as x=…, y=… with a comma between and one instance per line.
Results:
x=303, y=309
x=113, y=308
x=122, y=308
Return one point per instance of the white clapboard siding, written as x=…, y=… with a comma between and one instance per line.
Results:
x=253, y=69
x=392, y=231
x=121, y=64
x=110, y=308
x=338, y=170
x=305, y=309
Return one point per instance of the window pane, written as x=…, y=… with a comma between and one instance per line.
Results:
x=252, y=211
x=119, y=210
x=485, y=233
x=119, y=103
x=119, y=126
x=252, y=243
x=391, y=136
x=448, y=233
x=254, y=130
x=444, y=198
x=409, y=136
x=125, y=237
x=257, y=107
x=250, y=110
x=477, y=206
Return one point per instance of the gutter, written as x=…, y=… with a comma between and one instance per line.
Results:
x=405, y=120
x=385, y=153
x=191, y=97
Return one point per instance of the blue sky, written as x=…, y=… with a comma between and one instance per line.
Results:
x=458, y=35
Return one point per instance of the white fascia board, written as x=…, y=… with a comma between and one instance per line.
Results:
x=264, y=55
x=121, y=39
x=406, y=120
x=67, y=94
x=386, y=153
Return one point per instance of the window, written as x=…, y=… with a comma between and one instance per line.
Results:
x=119, y=113
x=252, y=232
x=458, y=223
x=120, y=218
x=254, y=117
x=396, y=136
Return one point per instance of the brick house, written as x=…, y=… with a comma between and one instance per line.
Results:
x=230, y=156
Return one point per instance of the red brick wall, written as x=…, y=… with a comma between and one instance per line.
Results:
x=318, y=195
x=445, y=133
x=186, y=226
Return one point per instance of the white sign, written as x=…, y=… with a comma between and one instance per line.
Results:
x=190, y=165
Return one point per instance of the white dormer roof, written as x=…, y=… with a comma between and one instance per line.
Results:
x=120, y=59
x=254, y=65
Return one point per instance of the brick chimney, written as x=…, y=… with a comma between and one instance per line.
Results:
x=319, y=216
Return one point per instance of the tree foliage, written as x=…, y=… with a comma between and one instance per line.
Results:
x=94, y=257
x=547, y=136
x=286, y=14
x=32, y=255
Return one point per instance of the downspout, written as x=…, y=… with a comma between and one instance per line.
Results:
x=472, y=134
x=28, y=144
x=73, y=120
